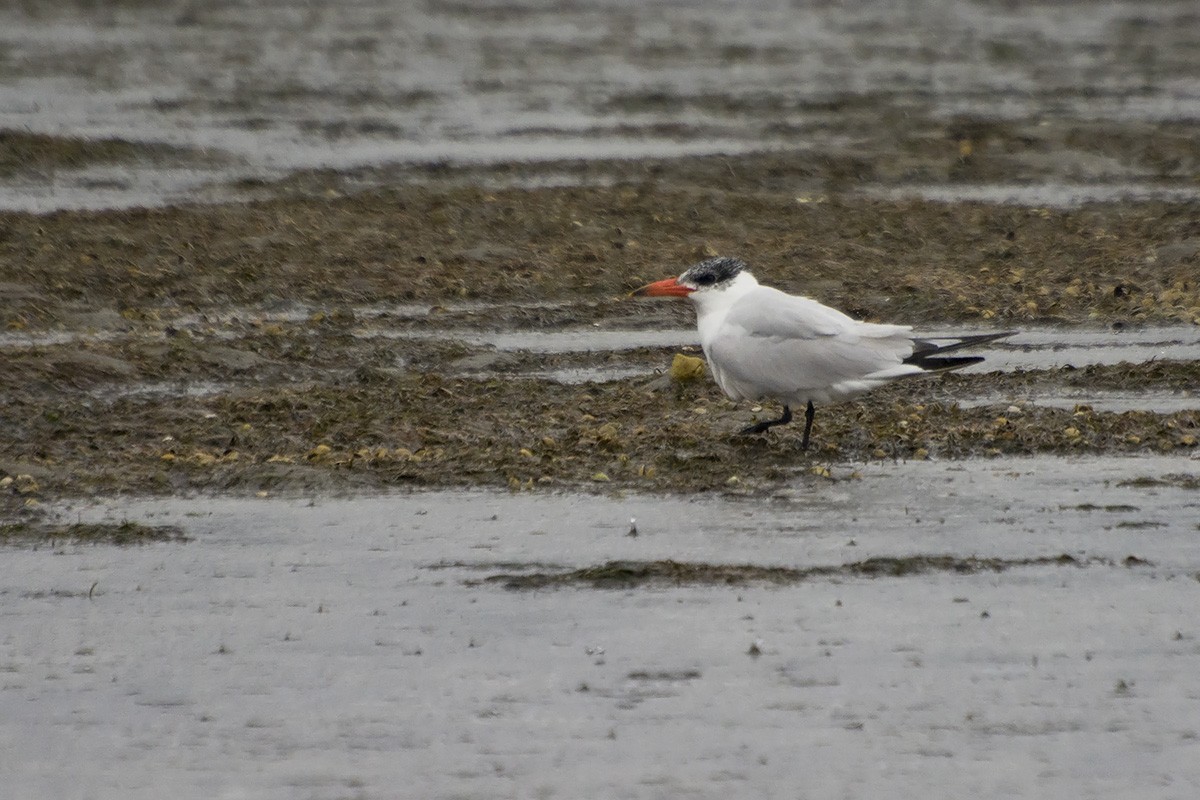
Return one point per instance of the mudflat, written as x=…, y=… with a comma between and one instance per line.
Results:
x=337, y=462
x=350, y=341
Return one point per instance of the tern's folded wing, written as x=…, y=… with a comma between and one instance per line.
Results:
x=775, y=345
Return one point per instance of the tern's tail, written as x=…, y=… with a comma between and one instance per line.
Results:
x=930, y=354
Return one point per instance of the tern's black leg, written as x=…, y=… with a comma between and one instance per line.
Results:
x=760, y=427
x=808, y=418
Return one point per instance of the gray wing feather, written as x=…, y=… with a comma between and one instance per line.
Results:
x=775, y=345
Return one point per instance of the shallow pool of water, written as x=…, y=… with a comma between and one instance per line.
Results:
x=343, y=647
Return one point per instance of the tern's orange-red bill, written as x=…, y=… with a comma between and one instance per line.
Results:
x=664, y=288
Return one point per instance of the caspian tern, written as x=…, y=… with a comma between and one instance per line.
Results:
x=762, y=343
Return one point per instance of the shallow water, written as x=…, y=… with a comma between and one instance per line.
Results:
x=1043, y=195
x=341, y=647
x=260, y=91
x=1155, y=402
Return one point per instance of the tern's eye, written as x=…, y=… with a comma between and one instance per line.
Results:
x=705, y=280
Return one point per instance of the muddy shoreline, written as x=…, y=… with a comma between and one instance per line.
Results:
x=340, y=343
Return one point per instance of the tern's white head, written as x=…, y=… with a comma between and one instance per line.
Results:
x=716, y=280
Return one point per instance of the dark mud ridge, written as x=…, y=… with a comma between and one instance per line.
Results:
x=634, y=574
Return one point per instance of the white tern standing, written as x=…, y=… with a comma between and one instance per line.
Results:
x=763, y=343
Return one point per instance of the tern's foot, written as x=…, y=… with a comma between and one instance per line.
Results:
x=767, y=424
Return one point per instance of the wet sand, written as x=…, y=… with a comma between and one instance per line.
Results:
x=362, y=380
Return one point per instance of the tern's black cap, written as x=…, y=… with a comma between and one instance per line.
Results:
x=712, y=272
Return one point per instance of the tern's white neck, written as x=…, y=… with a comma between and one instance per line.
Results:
x=713, y=303
x=718, y=299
